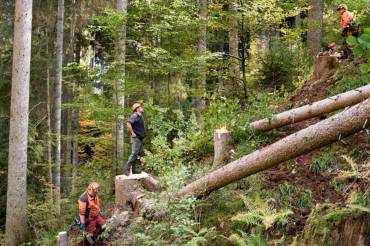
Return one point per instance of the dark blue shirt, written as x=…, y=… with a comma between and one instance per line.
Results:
x=138, y=125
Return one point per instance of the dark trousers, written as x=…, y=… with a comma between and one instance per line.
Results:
x=135, y=150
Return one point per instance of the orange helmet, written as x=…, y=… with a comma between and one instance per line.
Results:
x=93, y=188
x=135, y=106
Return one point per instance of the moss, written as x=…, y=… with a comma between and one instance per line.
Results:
x=325, y=218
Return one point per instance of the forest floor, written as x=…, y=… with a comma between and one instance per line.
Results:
x=297, y=172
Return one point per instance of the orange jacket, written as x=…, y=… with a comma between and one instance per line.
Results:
x=347, y=17
x=89, y=203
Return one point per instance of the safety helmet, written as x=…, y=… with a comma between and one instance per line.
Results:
x=342, y=6
x=93, y=188
x=135, y=106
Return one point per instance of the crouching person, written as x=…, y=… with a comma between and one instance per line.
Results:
x=90, y=218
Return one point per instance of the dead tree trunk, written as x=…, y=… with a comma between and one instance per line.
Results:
x=323, y=133
x=316, y=109
x=221, y=138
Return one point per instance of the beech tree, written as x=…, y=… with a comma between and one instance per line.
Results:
x=16, y=217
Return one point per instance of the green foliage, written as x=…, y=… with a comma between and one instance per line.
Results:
x=282, y=65
x=361, y=49
x=177, y=226
x=292, y=196
x=244, y=239
x=321, y=164
x=43, y=219
x=358, y=198
x=261, y=214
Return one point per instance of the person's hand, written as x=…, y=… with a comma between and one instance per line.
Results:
x=82, y=227
x=133, y=135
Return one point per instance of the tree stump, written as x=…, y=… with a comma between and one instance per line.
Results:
x=329, y=224
x=130, y=190
x=221, y=138
x=62, y=239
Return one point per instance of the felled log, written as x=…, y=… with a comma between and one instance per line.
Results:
x=313, y=110
x=318, y=135
x=62, y=239
x=221, y=139
x=329, y=224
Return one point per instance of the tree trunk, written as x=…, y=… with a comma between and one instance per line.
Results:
x=128, y=190
x=48, y=111
x=58, y=99
x=16, y=214
x=323, y=133
x=75, y=126
x=233, y=45
x=119, y=101
x=314, y=33
x=200, y=83
x=221, y=139
x=312, y=110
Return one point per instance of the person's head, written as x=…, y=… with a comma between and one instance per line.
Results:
x=342, y=8
x=138, y=107
x=93, y=189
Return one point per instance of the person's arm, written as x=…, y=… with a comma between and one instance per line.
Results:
x=129, y=126
x=82, y=207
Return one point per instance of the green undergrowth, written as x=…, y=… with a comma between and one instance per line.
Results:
x=326, y=217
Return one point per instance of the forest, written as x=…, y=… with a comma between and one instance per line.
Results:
x=185, y=122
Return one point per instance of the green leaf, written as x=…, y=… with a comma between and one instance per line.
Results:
x=364, y=68
x=351, y=40
x=357, y=50
x=368, y=56
x=367, y=30
x=364, y=38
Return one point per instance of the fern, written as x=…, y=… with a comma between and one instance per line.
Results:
x=260, y=214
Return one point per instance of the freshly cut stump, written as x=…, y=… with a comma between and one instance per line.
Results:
x=331, y=225
x=130, y=190
x=62, y=239
x=127, y=189
x=221, y=138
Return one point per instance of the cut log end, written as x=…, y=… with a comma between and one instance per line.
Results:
x=62, y=239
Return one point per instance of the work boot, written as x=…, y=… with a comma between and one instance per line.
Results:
x=127, y=172
x=127, y=169
x=135, y=169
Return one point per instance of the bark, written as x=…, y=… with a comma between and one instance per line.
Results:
x=221, y=139
x=62, y=239
x=313, y=137
x=58, y=99
x=315, y=20
x=119, y=99
x=128, y=189
x=200, y=83
x=75, y=126
x=233, y=44
x=312, y=110
x=16, y=214
x=50, y=160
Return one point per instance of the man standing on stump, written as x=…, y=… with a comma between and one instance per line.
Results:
x=136, y=127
